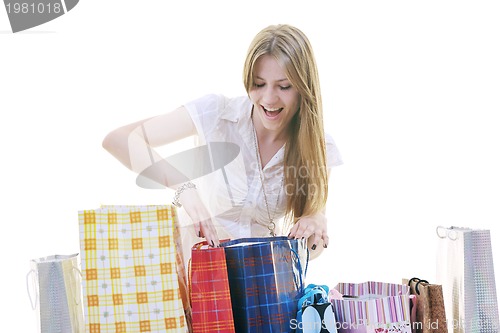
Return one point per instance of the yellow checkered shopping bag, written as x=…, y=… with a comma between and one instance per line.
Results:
x=133, y=272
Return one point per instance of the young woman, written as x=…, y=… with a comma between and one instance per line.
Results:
x=278, y=183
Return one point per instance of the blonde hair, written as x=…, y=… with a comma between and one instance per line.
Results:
x=305, y=150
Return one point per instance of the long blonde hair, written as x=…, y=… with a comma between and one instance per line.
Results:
x=305, y=153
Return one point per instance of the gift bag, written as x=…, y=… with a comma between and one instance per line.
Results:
x=133, y=274
x=315, y=313
x=372, y=307
x=56, y=282
x=430, y=316
x=465, y=270
x=266, y=280
x=209, y=289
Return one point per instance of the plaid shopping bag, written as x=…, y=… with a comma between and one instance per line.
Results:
x=372, y=307
x=209, y=289
x=132, y=270
x=266, y=280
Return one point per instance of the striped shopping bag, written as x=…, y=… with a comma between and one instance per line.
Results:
x=132, y=270
x=266, y=280
x=209, y=289
x=372, y=307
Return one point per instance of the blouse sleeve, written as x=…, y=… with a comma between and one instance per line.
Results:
x=333, y=157
x=205, y=113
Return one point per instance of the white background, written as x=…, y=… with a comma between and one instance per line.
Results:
x=411, y=96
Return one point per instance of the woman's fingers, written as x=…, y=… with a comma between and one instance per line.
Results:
x=206, y=229
x=312, y=228
x=302, y=229
x=326, y=240
x=197, y=229
x=209, y=232
x=202, y=220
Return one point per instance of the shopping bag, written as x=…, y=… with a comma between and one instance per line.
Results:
x=209, y=289
x=266, y=280
x=56, y=284
x=372, y=307
x=430, y=316
x=465, y=270
x=132, y=270
x=315, y=312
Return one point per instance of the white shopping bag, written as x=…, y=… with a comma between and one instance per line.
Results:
x=56, y=285
x=465, y=270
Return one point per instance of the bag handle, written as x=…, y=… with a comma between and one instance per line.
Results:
x=418, y=282
x=444, y=232
x=189, y=281
x=412, y=279
x=75, y=282
x=198, y=246
x=33, y=273
x=300, y=269
x=416, y=286
x=413, y=308
x=307, y=261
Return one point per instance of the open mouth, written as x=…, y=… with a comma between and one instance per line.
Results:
x=272, y=113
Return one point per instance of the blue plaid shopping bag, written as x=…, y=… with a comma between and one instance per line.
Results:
x=266, y=280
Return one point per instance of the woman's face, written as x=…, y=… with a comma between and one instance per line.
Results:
x=275, y=100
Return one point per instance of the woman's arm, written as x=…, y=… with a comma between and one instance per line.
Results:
x=133, y=145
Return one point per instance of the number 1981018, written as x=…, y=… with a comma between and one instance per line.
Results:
x=31, y=8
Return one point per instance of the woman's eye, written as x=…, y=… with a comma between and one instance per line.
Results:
x=285, y=88
x=258, y=85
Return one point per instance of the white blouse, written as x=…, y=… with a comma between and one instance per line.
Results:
x=235, y=199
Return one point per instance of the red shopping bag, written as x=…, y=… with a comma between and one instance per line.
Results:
x=210, y=295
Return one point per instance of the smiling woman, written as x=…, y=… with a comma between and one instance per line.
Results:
x=276, y=102
x=281, y=68
x=278, y=127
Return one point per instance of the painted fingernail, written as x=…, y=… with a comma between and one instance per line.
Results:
x=302, y=238
x=213, y=245
x=313, y=247
x=289, y=234
x=199, y=233
x=325, y=246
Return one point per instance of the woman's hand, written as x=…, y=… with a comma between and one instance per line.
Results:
x=313, y=228
x=199, y=214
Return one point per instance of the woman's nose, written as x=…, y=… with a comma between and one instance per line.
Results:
x=270, y=96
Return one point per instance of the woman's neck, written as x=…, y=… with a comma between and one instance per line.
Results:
x=267, y=136
x=268, y=142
